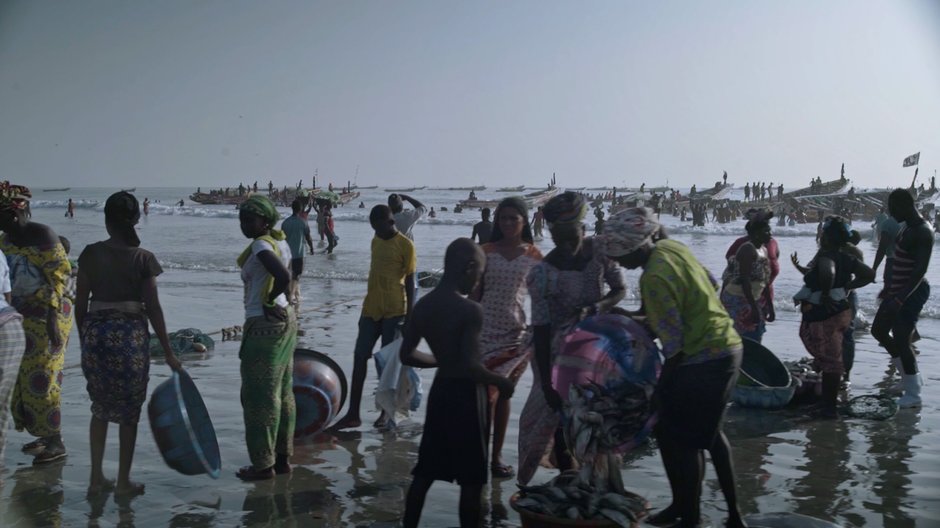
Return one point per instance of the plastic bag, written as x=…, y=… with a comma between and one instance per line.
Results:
x=399, y=389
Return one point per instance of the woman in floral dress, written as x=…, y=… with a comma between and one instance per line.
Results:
x=505, y=342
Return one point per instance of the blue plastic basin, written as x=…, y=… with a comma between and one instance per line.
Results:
x=182, y=428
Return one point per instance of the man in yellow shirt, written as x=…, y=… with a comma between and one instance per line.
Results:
x=388, y=302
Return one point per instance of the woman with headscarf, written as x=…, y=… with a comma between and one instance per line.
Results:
x=746, y=292
x=505, y=345
x=116, y=296
x=39, y=275
x=824, y=302
x=268, y=339
x=565, y=286
x=702, y=356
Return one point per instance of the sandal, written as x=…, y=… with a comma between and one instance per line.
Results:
x=35, y=447
x=49, y=454
x=502, y=470
x=250, y=473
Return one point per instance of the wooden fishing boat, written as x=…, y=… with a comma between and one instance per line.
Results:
x=532, y=200
x=473, y=188
x=519, y=188
x=132, y=189
x=406, y=190
x=60, y=189
x=217, y=198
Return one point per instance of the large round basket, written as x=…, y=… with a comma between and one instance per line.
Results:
x=531, y=519
x=319, y=391
x=182, y=428
x=765, y=382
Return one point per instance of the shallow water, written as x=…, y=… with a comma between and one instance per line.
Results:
x=851, y=471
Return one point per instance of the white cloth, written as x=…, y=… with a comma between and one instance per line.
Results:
x=254, y=275
x=406, y=219
x=399, y=385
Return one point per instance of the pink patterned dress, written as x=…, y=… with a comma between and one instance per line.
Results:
x=557, y=299
x=505, y=343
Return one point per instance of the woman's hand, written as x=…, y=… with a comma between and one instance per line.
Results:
x=52, y=329
x=552, y=398
x=795, y=260
x=274, y=313
x=172, y=361
x=771, y=314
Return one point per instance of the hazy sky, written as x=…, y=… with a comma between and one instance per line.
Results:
x=210, y=93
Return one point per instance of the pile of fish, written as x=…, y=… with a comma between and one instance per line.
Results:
x=599, y=422
x=569, y=496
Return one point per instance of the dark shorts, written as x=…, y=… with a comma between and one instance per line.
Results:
x=693, y=403
x=910, y=310
x=296, y=267
x=455, y=442
x=370, y=330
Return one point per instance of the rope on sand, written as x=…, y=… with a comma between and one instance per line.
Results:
x=319, y=308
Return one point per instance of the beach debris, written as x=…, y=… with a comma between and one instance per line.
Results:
x=232, y=333
x=185, y=340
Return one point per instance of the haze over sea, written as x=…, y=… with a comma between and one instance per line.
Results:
x=866, y=473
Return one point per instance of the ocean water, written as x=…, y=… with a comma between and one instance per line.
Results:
x=856, y=472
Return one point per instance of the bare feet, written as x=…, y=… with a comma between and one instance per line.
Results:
x=99, y=486
x=347, y=422
x=129, y=489
x=282, y=465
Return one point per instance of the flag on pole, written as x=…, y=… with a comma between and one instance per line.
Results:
x=913, y=159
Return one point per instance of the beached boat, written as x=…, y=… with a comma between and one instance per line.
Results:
x=406, y=190
x=61, y=189
x=357, y=187
x=520, y=188
x=532, y=200
x=218, y=199
x=346, y=197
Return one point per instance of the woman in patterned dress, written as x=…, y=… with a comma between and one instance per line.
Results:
x=566, y=285
x=39, y=273
x=510, y=254
x=115, y=296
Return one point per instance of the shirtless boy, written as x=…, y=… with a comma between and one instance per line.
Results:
x=454, y=444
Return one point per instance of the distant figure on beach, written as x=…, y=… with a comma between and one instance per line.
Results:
x=406, y=220
x=116, y=296
x=269, y=336
x=703, y=356
x=39, y=276
x=473, y=195
x=389, y=299
x=483, y=229
x=905, y=293
x=432, y=213
x=329, y=227
x=537, y=220
x=362, y=205
x=12, y=346
x=181, y=203
x=746, y=277
x=297, y=232
x=146, y=206
x=747, y=192
x=455, y=441
x=70, y=209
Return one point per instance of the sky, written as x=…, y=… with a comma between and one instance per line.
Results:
x=447, y=93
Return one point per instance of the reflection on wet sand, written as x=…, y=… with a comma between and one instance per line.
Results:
x=37, y=496
x=891, y=448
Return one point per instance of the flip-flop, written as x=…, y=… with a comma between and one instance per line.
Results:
x=502, y=471
x=249, y=473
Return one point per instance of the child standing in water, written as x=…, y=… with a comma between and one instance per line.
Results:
x=454, y=443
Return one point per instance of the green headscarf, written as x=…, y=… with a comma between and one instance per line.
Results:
x=263, y=207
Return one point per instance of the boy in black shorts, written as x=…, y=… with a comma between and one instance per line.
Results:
x=455, y=441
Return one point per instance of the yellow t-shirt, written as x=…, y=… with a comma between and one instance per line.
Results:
x=392, y=261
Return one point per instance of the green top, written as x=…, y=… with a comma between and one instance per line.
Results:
x=682, y=305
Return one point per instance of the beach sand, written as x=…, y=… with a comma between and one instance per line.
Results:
x=854, y=471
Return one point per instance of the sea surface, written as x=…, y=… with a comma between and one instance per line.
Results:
x=851, y=471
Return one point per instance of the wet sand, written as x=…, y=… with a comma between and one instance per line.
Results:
x=866, y=473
